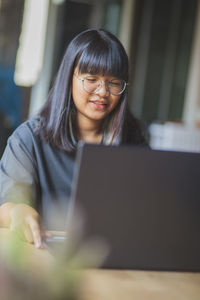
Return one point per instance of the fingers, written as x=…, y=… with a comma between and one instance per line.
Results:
x=46, y=233
x=30, y=230
x=28, y=234
x=36, y=233
x=26, y=221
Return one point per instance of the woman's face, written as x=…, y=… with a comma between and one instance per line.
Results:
x=93, y=106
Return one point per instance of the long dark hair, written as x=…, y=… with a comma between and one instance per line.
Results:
x=95, y=52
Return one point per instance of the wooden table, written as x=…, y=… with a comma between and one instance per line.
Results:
x=140, y=285
x=96, y=284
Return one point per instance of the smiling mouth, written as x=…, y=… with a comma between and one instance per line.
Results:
x=99, y=104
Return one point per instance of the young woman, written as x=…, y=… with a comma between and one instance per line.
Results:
x=88, y=101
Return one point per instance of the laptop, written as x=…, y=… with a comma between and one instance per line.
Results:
x=143, y=204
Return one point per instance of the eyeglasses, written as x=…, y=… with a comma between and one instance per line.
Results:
x=92, y=84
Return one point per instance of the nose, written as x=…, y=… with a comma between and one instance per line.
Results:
x=103, y=89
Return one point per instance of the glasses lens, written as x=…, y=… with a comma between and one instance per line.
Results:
x=116, y=86
x=91, y=84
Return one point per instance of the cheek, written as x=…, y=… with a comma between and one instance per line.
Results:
x=115, y=101
x=79, y=99
x=74, y=89
x=77, y=92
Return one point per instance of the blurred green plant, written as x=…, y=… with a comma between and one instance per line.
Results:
x=60, y=279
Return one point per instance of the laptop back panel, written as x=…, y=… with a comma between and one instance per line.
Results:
x=144, y=203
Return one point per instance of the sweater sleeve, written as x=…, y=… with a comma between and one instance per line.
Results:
x=18, y=175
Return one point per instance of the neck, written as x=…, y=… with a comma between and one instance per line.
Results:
x=89, y=131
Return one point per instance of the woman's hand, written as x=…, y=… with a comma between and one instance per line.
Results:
x=24, y=219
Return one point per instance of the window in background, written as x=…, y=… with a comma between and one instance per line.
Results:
x=112, y=16
x=162, y=53
x=32, y=40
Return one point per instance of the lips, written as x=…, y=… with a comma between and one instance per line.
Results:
x=99, y=104
x=99, y=101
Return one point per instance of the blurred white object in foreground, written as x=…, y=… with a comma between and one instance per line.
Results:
x=174, y=136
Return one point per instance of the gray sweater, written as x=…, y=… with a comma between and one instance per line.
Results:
x=33, y=171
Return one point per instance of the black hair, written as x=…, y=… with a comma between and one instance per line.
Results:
x=95, y=52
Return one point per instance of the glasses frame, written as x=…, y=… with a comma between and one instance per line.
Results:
x=100, y=85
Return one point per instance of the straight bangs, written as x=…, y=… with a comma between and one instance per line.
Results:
x=104, y=60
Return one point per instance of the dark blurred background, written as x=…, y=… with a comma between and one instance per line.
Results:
x=162, y=39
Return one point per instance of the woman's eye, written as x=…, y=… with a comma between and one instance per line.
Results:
x=115, y=83
x=92, y=80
